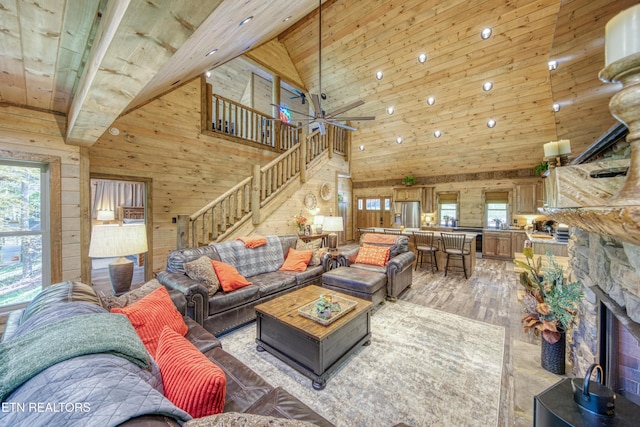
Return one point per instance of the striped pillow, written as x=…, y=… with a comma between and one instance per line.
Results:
x=191, y=381
x=373, y=255
x=151, y=314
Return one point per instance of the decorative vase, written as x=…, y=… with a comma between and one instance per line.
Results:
x=300, y=232
x=552, y=356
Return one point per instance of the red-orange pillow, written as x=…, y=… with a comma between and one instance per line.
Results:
x=228, y=276
x=296, y=260
x=191, y=381
x=373, y=255
x=151, y=314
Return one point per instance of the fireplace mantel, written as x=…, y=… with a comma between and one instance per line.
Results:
x=574, y=198
x=622, y=223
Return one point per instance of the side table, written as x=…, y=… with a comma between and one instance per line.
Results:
x=334, y=262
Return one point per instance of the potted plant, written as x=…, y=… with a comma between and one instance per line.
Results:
x=301, y=222
x=550, y=304
x=409, y=180
x=541, y=168
x=446, y=220
x=497, y=221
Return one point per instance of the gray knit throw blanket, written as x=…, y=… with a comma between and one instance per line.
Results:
x=26, y=355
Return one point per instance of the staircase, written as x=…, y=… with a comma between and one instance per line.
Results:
x=248, y=203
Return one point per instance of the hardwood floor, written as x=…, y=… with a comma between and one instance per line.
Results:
x=490, y=296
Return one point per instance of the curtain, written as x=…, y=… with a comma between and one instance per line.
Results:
x=111, y=194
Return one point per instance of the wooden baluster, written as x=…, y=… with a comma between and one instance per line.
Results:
x=214, y=224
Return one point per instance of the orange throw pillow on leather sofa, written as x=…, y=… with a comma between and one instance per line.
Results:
x=191, y=381
x=296, y=260
x=229, y=278
x=373, y=255
x=151, y=314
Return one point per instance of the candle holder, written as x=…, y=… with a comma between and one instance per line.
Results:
x=625, y=106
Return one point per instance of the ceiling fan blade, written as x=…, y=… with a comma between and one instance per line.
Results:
x=315, y=99
x=345, y=108
x=354, y=118
x=293, y=111
x=340, y=125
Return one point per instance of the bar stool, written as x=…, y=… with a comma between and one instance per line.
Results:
x=395, y=231
x=423, y=242
x=453, y=246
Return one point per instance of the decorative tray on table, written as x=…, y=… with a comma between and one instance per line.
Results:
x=339, y=306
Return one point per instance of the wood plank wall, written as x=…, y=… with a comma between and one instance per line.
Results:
x=162, y=141
x=25, y=134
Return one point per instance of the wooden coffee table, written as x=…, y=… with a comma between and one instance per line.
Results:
x=311, y=348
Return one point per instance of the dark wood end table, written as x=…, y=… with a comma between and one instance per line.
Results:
x=313, y=349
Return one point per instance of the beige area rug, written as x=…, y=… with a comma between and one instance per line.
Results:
x=424, y=367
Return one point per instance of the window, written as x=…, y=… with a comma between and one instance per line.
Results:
x=447, y=208
x=24, y=231
x=496, y=208
x=496, y=211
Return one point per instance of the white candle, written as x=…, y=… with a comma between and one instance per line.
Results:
x=551, y=149
x=622, y=35
x=564, y=147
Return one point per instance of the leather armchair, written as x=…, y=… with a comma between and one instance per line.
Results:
x=398, y=270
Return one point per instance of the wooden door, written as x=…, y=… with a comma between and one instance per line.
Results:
x=374, y=212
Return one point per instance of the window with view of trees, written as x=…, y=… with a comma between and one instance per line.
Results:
x=24, y=231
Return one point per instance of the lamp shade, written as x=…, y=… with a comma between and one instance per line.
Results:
x=333, y=223
x=318, y=220
x=117, y=240
x=105, y=216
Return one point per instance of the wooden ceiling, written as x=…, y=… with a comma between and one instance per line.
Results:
x=92, y=60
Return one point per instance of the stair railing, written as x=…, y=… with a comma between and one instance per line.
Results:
x=223, y=215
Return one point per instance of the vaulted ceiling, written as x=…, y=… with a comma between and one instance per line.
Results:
x=93, y=60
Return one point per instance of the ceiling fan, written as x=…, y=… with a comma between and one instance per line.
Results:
x=320, y=117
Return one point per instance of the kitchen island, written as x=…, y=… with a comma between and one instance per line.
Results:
x=543, y=242
x=441, y=257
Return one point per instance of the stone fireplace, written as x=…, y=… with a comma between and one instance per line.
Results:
x=607, y=330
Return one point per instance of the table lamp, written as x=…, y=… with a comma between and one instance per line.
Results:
x=331, y=225
x=105, y=216
x=118, y=241
x=318, y=221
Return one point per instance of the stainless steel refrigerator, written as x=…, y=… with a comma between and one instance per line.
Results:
x=407, y=214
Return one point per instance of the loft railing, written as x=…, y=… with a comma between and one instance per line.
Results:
x=243, y=201
x=234, y=119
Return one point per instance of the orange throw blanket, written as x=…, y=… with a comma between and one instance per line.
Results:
x=387, y=239
x=253, y=241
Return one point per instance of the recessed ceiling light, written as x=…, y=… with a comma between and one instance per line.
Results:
x=390, y=110
x=437, y=134
x=244, y=21
x=114, y=131
x=491, y=123
x=556, y=107
x=286, y=19
x=361, y=148
x=379, y=75
x=487, y=86
x=399, y=140
x=211, y=52
x=422, y=58
x=553, y=65
x=431, y=100
x=208, y=74
x=486, y=33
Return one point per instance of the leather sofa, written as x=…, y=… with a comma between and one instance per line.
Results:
x=226, y=310
x=399, y=267
x=246, y=391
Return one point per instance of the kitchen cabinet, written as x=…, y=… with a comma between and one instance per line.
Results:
x=517, y=241
x=496, y=244
x=427, y=200
x=527, y=197
x=407, y=194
